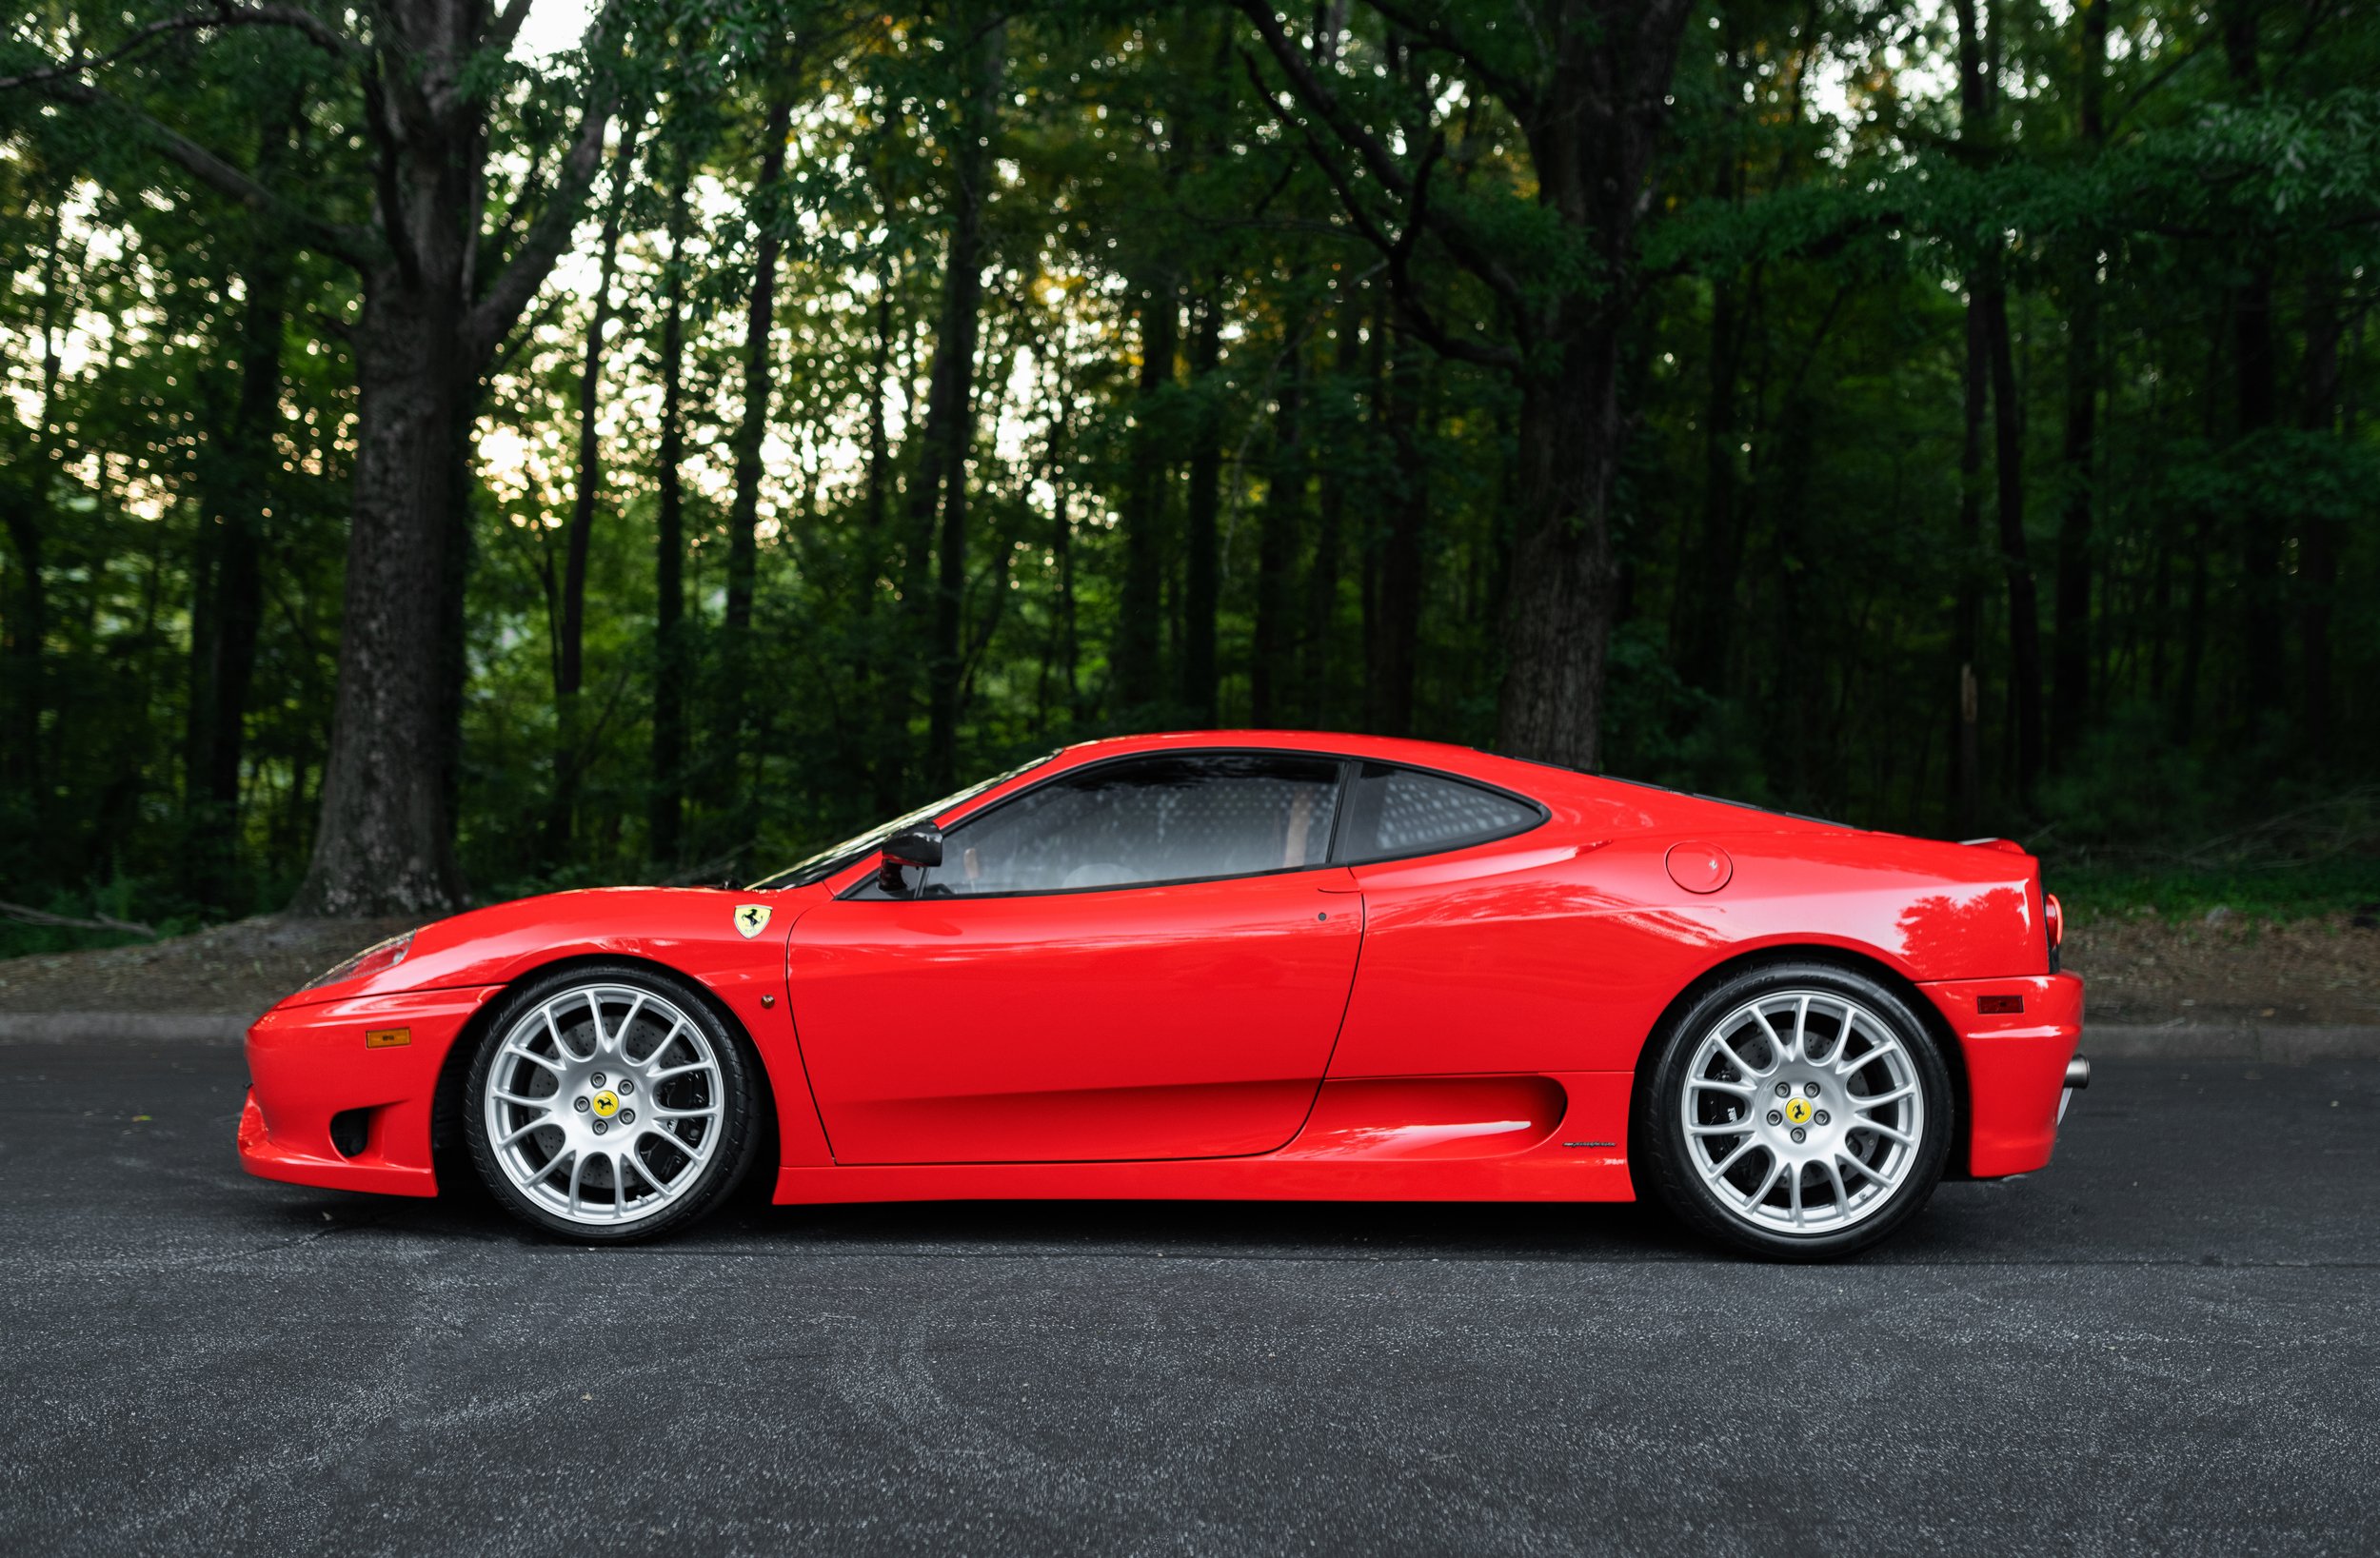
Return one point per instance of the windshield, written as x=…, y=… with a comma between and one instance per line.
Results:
x=829, y=860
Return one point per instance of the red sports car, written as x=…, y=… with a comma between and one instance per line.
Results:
x=1247, y=964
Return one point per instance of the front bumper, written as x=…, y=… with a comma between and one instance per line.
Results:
x=310, y=1064
x=2016, y=1064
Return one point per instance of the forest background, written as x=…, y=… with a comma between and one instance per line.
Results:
x=453, y=450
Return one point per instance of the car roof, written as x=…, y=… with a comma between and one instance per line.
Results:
x=1385, y=748
x=1573, y=793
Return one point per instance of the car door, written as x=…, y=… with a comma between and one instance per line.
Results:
x=1147, y=958
x=1473, y=949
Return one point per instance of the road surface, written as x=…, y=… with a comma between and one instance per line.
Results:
x=2168, y=1342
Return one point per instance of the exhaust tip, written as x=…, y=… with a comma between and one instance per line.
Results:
x=2078, y=1074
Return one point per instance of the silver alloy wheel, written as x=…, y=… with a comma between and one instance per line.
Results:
x=604, y=1104
x=1804, y=1112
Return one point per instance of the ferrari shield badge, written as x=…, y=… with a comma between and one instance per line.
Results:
x=751, y=919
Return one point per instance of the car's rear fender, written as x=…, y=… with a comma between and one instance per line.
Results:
x=1852, y=959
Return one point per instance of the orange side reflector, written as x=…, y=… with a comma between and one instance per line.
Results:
x=389, y=1038
x=2000, y=1004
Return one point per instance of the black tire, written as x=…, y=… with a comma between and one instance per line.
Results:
x=709, y=1167
x=1665, y=1156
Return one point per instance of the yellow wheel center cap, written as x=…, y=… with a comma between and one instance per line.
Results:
x=607, y=1104
x=1797, y=1111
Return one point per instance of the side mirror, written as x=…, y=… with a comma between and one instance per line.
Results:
x=921, y=846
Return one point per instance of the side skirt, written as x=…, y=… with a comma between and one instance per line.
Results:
x=1554, y=1137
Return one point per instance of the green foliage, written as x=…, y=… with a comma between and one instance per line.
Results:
x=2095, y=889
x=1790, y=549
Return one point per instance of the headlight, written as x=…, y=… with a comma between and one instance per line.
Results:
x=377, y=959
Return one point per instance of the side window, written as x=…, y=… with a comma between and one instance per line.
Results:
x=1172, y=817
x=1395, y=812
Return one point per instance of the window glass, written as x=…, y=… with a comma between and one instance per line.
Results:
x=827, y=861
x=1397, y=812
x=1147, y=820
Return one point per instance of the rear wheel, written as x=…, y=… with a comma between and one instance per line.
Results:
x=609, y=1103
x=1799, y=1111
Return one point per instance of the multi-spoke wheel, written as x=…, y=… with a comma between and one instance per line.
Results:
x=609, y=1103
x=1800, y=1110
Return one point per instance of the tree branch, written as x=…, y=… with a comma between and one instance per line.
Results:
x=1393, y=251
x=219, y=17
x=388, y=136
x=543, y=244
x=336, y=240
x=1408, y=297
x=1377, y=160
x=1519, y=95
x=507, y=26
x=26, y=914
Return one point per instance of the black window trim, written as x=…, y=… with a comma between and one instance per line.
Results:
x=1545, y=813
x=1350, y=766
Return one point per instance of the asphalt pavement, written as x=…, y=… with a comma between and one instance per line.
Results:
x=2168, y=1342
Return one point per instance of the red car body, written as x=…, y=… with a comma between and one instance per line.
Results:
x=1453, y=1026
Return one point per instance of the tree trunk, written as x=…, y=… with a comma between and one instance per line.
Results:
x=385, y=840
x=28, y=499
x=1593, y=134
x=2071, y=688
x=227, y=615
x=1975, y=98
x=2318, y=546
x=1061, y=651
x=225, y=618
x=961, y=322
x=1794, y=714
x=1720, y=557
x=2024, y=609
x=759, y=321
x=1277, y=544
x=1201, y=505
x=430, y=325
x=745, y=504
x=570, y=651
x=1592, y=109
x=2263, y=617
x=1559, y=616
x=884, y=722
x=2260, y=538
x=1321, y=605
x=2184, y=728
x=1394, y=649
x=20, y=765
x=1988, y=317
x=1142, y=617
x=570, y=655
x=665, y=806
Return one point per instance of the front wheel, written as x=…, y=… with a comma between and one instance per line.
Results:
x=609, y=1103
x=1799, y=1111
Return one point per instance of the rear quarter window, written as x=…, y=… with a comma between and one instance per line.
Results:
x=1393, y=813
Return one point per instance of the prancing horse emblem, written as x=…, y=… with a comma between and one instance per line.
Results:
x=751, y=919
